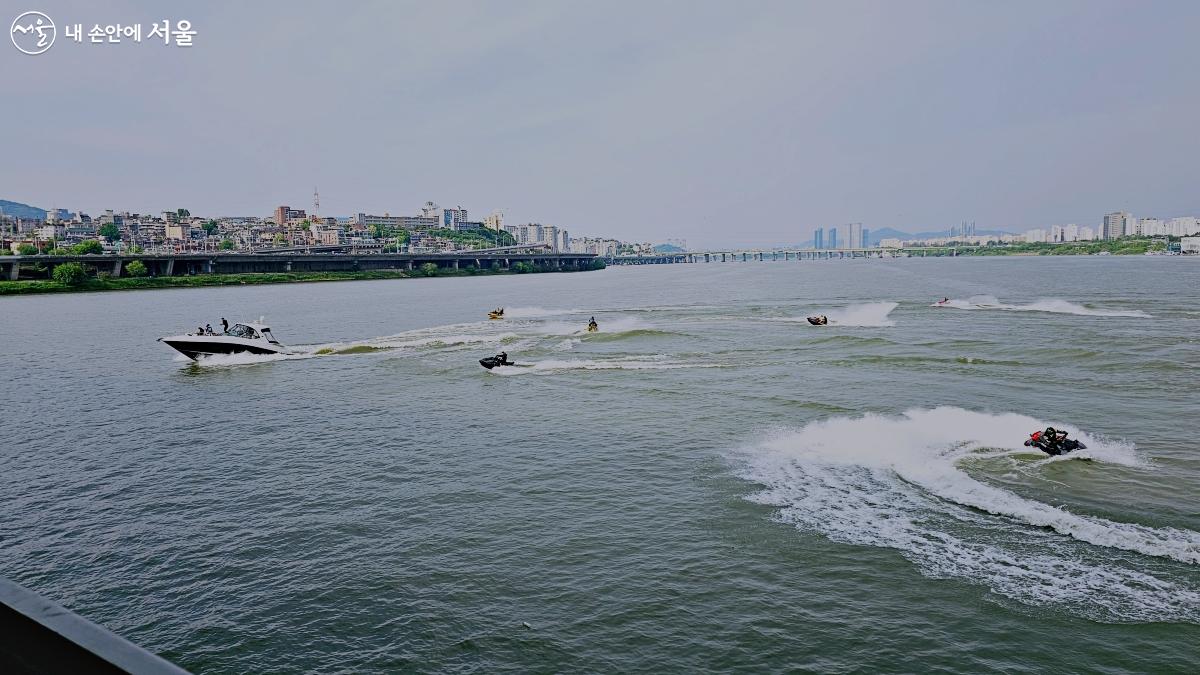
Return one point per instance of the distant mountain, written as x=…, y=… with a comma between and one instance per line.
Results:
x=946, y=232
x=667, y=248
x=876, y=236
x=20, y=210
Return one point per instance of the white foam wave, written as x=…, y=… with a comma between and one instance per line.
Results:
x=866, y=315
x=242, y=359
x=870, y=314
x=446, y=337
x=403, y=342
x=537, y=312
x=623, y=324
x=896, y=482
x=628, y=363
x=1049, y=305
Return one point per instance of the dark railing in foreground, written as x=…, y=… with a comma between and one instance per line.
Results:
x=39, y=636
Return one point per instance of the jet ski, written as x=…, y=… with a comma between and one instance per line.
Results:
x=819, y=320
x=496, y=314
x=500, y=359
x=253, y=338
x=593, y=326
x=1053, y=442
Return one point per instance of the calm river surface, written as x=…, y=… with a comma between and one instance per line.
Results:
x=708, y=484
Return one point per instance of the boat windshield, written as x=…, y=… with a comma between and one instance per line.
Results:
x=270, y=338
x=244, y=331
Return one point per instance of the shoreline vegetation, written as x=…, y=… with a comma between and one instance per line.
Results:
x=80, y=284
x=1123, y=246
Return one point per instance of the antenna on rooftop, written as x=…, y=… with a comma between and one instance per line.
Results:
x=316, y=202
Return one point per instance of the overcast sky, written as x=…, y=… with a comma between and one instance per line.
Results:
x=716, y=122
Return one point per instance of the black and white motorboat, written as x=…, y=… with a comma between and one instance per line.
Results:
x=241, y=338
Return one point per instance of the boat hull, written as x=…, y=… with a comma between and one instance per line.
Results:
x=195, y=349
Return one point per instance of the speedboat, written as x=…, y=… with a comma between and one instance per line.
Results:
x=496, y=314
x=821, y=320
x=252, y=338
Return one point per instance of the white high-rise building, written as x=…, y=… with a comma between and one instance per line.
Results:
x=1035, y=236
x=1115, y=225
x=1147, y=227
x=549, y=237
x=847, y=236
x=1182, y=227
x=495, y=221
x=535, y=233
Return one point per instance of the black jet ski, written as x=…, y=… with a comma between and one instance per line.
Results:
x=497, y=360
x=1053, y=442
x=819, y=320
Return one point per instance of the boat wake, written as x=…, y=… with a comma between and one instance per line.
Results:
x=608, y=326
x=897, y=482
x=1049, y=305
x=627, y=363
x=866, y=315
x=437, y=338
x=425, y=338
x=537, y=312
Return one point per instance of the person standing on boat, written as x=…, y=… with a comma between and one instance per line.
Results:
x=224, y=326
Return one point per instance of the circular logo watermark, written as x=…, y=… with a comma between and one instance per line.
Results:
x=32, y=33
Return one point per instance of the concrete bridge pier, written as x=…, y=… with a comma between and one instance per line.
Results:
x=171, y=267
x=116, y=268
x=14, y=271
x=455, y=261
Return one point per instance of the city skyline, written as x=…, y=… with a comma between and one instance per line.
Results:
x=1013, y=116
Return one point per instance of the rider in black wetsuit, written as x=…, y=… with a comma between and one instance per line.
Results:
x=1052, y=442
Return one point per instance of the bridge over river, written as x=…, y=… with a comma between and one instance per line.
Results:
x=761, y=255
x=181, y=264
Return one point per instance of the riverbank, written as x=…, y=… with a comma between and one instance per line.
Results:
x=1129, y=246
x=96, y=284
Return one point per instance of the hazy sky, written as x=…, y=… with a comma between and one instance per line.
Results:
x=717, y=122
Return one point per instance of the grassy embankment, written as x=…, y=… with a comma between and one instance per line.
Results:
x=1126, y=246
x=104, y=283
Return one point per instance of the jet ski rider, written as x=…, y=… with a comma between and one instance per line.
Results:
x=1049, y=441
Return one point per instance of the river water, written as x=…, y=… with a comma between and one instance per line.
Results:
x=708, y=484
